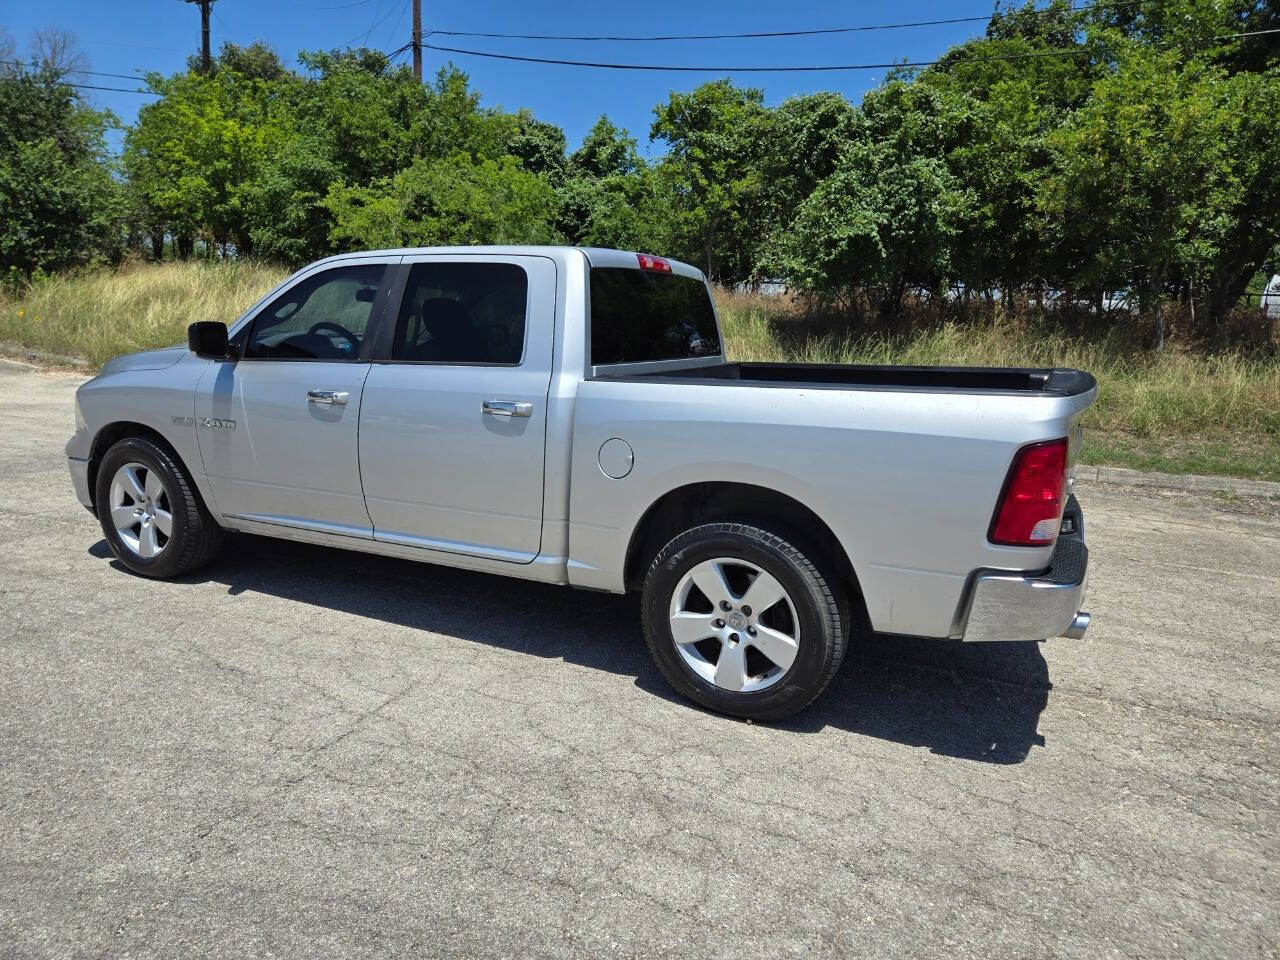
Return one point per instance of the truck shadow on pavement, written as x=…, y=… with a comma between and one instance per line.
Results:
x=976, y=702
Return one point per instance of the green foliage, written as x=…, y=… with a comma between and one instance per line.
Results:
x=606, y=151
x=714, y=136
x=59, y=203
x=611, y=198
x=539, y=147
x=456, y=200
x=887, y=216
x=285, y=209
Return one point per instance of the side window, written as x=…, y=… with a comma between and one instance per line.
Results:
x=324, y=317
x=462, y=313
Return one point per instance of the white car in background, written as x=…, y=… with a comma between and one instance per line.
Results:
x=1270, y=300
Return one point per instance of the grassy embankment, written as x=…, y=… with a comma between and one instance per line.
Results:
x=1175, y=411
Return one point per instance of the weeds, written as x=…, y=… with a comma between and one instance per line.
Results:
x=99, y=314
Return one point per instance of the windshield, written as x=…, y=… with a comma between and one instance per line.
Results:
x=643, y=315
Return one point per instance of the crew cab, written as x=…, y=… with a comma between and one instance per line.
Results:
x=569, y=416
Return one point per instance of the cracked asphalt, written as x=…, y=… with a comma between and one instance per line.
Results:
x=303, y=752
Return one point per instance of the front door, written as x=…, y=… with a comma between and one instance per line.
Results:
x=278, y=427
x=453, y=423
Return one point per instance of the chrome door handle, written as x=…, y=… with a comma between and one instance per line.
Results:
x=507, y=408
x=335, y=397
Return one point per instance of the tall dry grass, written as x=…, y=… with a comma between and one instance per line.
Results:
x=98, y=314
x=1144, y=393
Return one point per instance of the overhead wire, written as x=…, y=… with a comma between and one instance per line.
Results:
x=96, y=73
x=632, y=38
x=88, y=86
x=807, y=68
x=376, y=23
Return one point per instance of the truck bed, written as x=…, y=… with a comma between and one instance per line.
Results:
x=1057, y=382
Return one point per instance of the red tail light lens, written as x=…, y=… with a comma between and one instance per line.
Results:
x=656, y=264
x=1035, y=494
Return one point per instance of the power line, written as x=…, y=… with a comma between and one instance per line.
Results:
x=87, y=86
x=398, y=24
x=377, y=23
x=673, y=68
x=225, y=28
x=96, y=73
x=1074, y=52
x=770, y=33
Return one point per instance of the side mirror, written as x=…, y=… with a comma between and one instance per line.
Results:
x=208, y=339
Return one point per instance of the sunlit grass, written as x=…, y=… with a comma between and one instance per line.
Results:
x=99, y=314
x=1174, y=410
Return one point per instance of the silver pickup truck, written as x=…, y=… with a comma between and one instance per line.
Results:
x=568, y=415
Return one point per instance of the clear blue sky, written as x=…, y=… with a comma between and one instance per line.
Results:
x=128, y=36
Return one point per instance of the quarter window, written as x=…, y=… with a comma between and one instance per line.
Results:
x=467, y=313
x=324, y=317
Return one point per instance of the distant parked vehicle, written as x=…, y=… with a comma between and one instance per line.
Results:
x=1113, y=301
x=765, y=288
x=1270, y=301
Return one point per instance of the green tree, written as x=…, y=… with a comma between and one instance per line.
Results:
x=194, y=154
x=606, y=151
x=59, y=203
x=538, y=146
x=456, y=200
x=1170, y=174
x=610, y=197
x=801, y=146
x=714, y=135
x=887, y=218
x=285, y=209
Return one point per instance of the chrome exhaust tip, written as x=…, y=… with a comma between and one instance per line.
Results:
x=1078, y=626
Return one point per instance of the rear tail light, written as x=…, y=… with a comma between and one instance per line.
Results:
x=1030, y=509
x=656, y=264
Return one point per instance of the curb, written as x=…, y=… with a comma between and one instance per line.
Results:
x=42, y=359
x=1239, y=486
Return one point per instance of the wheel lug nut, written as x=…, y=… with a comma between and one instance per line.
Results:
x=733, y=638
x=719, y=623
x=746, y=611
x=751, y=631
x=725, y=606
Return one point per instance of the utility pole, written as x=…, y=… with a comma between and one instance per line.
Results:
x=204, y=33
x=417, y=39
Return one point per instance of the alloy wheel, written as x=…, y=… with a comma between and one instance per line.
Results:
x=734, y=624
x=140, y=510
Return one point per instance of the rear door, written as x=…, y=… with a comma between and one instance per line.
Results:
x=278, y=427
x=453, y=421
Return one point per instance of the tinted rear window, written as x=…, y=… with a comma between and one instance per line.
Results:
x=470, y=313
x=640, y=315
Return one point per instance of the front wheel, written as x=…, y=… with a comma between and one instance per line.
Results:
x=151, y=513
x=742, y=621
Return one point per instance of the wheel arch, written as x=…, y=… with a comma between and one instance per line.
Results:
x=718, y=501
x=112, y=433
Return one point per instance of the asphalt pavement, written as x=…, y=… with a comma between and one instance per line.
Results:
x=303, y=752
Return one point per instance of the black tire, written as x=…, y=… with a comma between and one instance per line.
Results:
x=195, y=537
x=820, y=603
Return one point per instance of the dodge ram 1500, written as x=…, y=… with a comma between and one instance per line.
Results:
x=569, y=415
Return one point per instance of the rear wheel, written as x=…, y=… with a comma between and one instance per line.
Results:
x=151, y=514
x=742, y=621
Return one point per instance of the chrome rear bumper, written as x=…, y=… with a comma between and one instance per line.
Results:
x=1019, y=606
